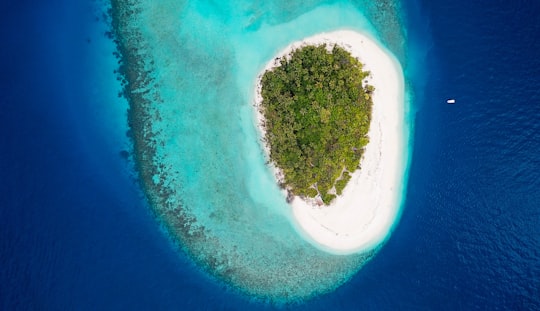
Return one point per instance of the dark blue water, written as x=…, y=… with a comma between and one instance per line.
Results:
x=75, y=231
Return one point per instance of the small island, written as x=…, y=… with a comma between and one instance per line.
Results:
x=313, y=133
x=317, y=111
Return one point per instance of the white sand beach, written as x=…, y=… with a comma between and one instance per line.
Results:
x=363, y=215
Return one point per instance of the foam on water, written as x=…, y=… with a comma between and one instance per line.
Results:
x=192, y=69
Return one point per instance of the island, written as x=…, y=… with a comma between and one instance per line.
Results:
x=340, y=206
x=316, y=108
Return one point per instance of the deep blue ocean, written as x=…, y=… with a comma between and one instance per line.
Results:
x=76, y=232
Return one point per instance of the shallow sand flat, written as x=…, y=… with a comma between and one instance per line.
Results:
x=363, y=215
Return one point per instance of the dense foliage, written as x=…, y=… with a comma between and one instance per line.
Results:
x=317, y=111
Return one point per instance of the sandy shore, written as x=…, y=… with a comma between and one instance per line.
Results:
x=363, y=215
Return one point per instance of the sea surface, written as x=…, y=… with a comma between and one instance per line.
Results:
x=78, y=232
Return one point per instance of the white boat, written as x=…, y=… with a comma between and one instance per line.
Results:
x=451, y=101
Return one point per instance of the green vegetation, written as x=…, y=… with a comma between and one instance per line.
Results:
x=317, y=113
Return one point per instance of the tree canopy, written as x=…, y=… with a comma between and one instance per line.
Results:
x=317, y=112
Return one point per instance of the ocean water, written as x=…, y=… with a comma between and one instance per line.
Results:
x=77, y=232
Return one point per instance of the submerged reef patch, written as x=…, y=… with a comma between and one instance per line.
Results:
x=197, y=153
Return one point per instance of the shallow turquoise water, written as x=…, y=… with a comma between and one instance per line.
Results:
x=191, y=68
